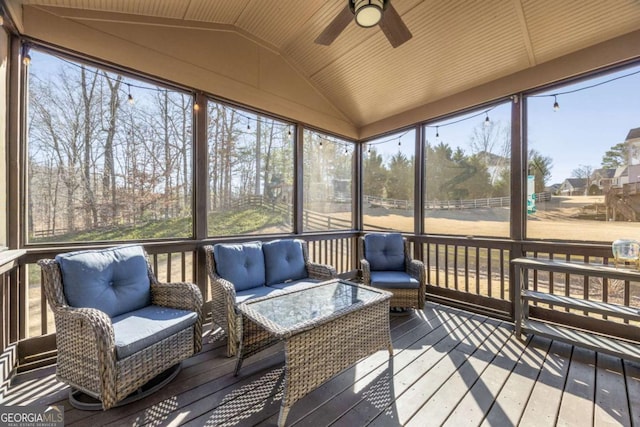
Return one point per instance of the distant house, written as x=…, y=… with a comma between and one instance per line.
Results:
x=632, y=146
x=573, y=187
x=553, y=188
x=603, y=179
x=620, y=177
x=496, y=164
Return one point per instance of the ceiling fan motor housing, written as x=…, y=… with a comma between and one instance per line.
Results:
x=368, y=12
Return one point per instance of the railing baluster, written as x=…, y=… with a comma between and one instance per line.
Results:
x=446, y=266
x=466, y=268
x=477, y=271
x=183, y=262
x=455, y=266
x=501, y=264
x=489, y=281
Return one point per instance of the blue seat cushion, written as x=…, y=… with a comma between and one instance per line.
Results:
x=294, y=284
x=114, y=280
x=384, y=251
x=284, y=260
x=393, y=280
x=142, y=328
x=258, y=292
x=240, y=264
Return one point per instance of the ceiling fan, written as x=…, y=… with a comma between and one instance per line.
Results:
x=368, y=13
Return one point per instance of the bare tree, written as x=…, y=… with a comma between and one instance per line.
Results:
x=584, y=172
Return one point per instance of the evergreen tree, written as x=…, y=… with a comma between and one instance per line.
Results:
x=374, y=174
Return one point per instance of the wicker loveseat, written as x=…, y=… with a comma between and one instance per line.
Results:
x=242, y=271
x=117, y=326
x=387, y=264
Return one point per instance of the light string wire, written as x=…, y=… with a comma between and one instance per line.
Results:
x=591, y=86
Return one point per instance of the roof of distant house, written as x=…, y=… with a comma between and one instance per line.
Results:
x=605, y=172
x=633, y=134
x=575, y=182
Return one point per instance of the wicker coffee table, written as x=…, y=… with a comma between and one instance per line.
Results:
x=326, y=328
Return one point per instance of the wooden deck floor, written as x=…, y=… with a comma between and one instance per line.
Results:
x=449, y=367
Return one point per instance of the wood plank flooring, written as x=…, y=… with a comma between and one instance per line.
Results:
x=450, y=367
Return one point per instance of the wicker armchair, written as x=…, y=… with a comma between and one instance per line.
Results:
x=89, y=342
x=387, y=264
x=226, y=292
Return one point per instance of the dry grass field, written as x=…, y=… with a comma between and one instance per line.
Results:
x=554, y=220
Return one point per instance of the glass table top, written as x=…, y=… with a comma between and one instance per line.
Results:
x=288, y=310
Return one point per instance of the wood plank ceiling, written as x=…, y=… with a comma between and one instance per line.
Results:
x=456, y=44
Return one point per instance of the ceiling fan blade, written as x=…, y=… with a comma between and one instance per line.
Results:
x=393, y=27
x=336, y=27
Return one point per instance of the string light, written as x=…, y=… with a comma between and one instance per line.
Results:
x=26, y=58
x=437, y=132
x=487, y=122
x=320, y=143
x=556, y=106
x=289, y=131
x=196, y=107
x=130, y=97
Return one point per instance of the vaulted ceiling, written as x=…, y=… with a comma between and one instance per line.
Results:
x=457, y=45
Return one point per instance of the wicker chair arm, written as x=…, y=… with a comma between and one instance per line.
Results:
x=87, y=321
x=366, y=272
x=220, y=286
x=321, y=271
x=416, y=270
x=182, y=295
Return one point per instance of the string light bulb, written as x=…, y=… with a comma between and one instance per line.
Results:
x=26, y=58
x=130, y=97
x=556, y=106
x=248, y=125
x=320, y=143
x=369, y=149
x=196, y=107
x=487, y=122
x=289, y=131
x=437, y=132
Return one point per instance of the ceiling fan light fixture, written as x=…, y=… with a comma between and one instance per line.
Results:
x=368, y=12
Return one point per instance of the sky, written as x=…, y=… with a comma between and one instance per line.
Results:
x=588, y=123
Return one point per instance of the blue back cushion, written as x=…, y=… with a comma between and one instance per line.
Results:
x=384, y=251
x=113, y=280
x=284, y=261
x=240, y=264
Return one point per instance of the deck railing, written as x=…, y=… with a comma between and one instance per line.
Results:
x=472, y=273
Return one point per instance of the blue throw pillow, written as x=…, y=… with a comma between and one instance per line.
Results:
x=284, y=261
x=113, y=280
x=240, y=264
x=384, y=251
